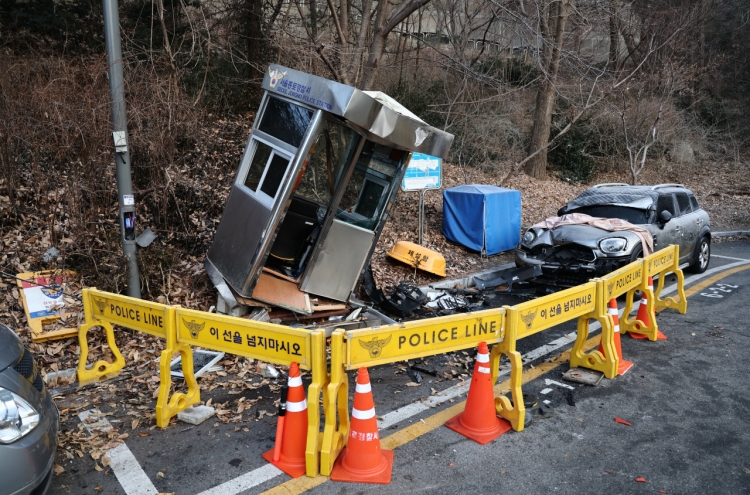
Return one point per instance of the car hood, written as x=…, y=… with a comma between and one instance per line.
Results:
x=584, y=235
x=11, y=347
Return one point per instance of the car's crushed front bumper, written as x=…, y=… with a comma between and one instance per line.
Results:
x=574, y=271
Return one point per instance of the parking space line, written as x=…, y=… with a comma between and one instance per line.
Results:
x=246, y=481
x=131, y=476
x=729, y=258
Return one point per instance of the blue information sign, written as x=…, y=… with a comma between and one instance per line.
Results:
x=424, y=172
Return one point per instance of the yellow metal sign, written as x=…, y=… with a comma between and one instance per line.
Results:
x=621, y=281
x=548, y=311
x=661, y=261
x=136, y=314
x=415, y=339
x=255, y=339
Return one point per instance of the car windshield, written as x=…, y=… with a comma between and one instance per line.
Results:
x=633, y=215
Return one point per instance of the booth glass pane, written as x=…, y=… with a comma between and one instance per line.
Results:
x=258, y=165
x=274, y=176
x=285, y=121
x=332, y=150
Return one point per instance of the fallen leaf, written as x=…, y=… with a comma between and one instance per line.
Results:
x=135, y=424
x=143, y=434
x=412, y=384
x=622, y=422
x=662, y=491
x=98, y=488
x=159, y=474
x=98, y=467
x=106, y=461
x=59, y=470
x=641, y=480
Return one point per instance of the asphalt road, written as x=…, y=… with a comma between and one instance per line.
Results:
x=686, y=399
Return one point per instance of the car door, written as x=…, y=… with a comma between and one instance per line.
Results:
x=686, y=225
x=669, y=233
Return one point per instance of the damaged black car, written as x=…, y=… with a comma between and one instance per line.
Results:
x=570, y=254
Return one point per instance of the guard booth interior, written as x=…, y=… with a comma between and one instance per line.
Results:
x=319, y=174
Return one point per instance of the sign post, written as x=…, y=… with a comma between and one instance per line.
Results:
x=424, y=172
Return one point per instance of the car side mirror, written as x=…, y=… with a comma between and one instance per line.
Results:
x=664, y=217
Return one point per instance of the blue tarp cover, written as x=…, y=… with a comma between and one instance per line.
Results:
x=482, y=218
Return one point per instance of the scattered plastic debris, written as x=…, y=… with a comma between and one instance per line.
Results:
x=622, y=422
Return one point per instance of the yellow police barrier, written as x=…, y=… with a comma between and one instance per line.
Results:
x=625, y=280
x=393, y=343
x=660, y=263
x=103, y=309
x=268, y=342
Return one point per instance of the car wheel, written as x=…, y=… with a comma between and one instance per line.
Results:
x=702, y=256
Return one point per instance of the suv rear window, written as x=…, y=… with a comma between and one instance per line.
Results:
x=694, y=202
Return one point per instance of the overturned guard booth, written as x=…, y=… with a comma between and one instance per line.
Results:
x=322, y=167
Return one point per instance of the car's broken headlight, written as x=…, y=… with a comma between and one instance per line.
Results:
x=613, y=245
x=17, y=417
x=529, y=236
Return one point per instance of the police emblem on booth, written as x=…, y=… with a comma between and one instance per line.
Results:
x=276, y=76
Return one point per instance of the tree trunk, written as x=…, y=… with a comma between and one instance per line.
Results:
x=614, y=43
x=545, y=99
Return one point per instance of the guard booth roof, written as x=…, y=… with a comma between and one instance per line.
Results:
x=376, y=115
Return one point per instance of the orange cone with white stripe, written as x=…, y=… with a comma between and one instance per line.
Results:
x=479, y=421
x=362, y=460
x=642, y=315
x=294, y=437
x=622, y=365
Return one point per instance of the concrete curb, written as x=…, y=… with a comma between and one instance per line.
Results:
x=730, y=233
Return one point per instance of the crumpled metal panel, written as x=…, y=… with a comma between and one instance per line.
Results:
x=378, y=116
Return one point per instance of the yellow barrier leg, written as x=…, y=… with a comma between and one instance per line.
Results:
x=515, y=411
x=314, y=391
x=680, y=302
x=336, y=407
x=632, y=324
x=167, y=408
x=606, y=363
x=100, y=369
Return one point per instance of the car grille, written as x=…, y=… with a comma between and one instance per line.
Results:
x=26, y=367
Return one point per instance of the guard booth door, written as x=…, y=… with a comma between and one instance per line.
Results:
x=272, y=162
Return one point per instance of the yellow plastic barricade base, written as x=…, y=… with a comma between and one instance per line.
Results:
x=336, y=407
x=101, y=369
x=314, y=391
x=503, y=406
x=630, y=324
x=678, y=302
x=595, y=360
x=167, y=408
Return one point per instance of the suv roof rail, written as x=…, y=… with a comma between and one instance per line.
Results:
x=659, y=186
x=610, y=184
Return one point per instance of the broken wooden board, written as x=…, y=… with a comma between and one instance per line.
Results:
x=281, y=293
x=280, y=275
x=324, y=304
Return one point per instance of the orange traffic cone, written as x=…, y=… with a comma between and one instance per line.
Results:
x=294, y=435
x=479, y=421
x=623, y=365
x=642, y=315
x=362, y=460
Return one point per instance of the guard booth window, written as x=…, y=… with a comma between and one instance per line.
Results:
x=285, y=121
x=267, y=169
x=373, y=181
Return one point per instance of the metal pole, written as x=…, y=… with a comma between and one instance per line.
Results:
x=120, y=136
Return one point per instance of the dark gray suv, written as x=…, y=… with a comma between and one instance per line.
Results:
x=572, y=254
x=29, y=421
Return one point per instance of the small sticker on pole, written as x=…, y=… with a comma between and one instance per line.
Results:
x=128, y=200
